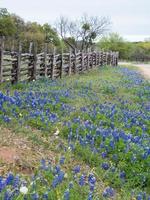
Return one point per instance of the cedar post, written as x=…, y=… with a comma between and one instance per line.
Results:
x=45, y=60
x=34, y=69
x=18, y=63
x=1, y=59
x=95, y=59
x=61, y=64
x=53, y=63
x=99, y=54
x=70, y=64
x=117, y=57
x=82, y=61
x=102, y=55
x=75, y=62
x=88, y=61
x=92, y=59
x=30, y=47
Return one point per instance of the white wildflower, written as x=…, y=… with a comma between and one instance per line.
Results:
x=23, y=189
x=57, y=132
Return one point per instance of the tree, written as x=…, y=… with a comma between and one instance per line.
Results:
x=7, y=26
x=114, y=42
x=82, y=33
x=51, y=35
x=19, y=24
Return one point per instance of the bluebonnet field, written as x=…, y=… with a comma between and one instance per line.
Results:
x=103, y=117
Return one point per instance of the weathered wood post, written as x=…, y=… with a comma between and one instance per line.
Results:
x=82, y=61
x=117, y=58
x=34, y=68
x=75, y=61
x=95, y=58
x=53, y=63
x=111, y=58
x=30, y=47
x=88, y=61
x=18, y=62
x=1, y=58
x=70, y=63
x=45, y=59
x=92, y=59
x=61, y=64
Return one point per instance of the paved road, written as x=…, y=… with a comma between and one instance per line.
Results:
x=144, y=68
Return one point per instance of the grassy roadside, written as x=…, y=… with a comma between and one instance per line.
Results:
x=87, y=118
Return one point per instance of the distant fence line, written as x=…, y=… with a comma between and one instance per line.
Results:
x=17, y=66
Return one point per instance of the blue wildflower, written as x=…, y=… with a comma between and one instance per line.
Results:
x=105, y=166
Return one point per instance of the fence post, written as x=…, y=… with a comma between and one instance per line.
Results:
x=82, y=61
x=1, y=59
x=117, y=57
x=34, y=69
x=70, y=64
x=95, y=59
x=30, y=47
x=61, y=64
x=75, y=62
x=92, y=59
x=88, y=62
x=45, y=60
x=18, y=63
x=53, y=63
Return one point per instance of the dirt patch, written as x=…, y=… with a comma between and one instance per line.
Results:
x=9, y=155
x=19, y=154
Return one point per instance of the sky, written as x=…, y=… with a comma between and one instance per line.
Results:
x=130, y=18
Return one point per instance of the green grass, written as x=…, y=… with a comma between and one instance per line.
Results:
x=105, y=85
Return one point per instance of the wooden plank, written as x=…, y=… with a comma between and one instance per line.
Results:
x=1, y=59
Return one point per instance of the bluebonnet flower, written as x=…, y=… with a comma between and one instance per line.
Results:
x=70, y=185
x=62, y=160
x=122, y=175
x=66, y=195
x=104, y=154
x=35, y=196
x=91, y=181
x=8, y=195
x=108, y=192
x=76, y=169
x=105, y=166
x=90, y=196
x=58, y=179
x=9, y=179
x=45, y=196
x=139, y=197
x=2, y=184
x=82, y=180
x=57, y=169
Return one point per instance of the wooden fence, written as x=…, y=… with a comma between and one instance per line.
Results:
x=17, y=66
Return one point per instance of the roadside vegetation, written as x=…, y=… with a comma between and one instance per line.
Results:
x=88, y=135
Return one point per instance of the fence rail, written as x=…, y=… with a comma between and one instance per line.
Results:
x=18, y=66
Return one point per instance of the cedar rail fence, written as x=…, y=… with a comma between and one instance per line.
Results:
x=18, y=66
